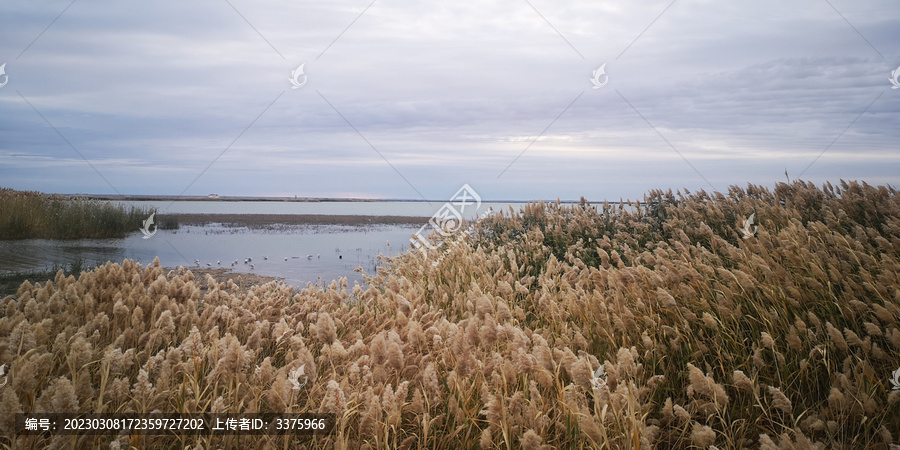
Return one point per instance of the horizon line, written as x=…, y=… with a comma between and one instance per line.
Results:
x=211, y=197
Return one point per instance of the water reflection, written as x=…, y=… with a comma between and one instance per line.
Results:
x=335, y=250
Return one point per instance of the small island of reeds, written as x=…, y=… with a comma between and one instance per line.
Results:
x=28, y=215
x=668, y=324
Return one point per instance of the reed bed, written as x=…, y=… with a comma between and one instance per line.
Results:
x=656, y=326
x=26, y=215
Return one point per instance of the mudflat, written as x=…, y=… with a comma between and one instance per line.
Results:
x=265, y=220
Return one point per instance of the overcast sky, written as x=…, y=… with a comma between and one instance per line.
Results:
x=411, y=99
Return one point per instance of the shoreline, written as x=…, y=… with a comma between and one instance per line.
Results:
x=262, y=220
x=222, y=275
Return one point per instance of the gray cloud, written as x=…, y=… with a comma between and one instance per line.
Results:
x=448, y=93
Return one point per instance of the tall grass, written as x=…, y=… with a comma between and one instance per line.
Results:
x=36, y=215
x=783, y=340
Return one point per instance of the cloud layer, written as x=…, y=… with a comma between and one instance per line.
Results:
x=410, y=99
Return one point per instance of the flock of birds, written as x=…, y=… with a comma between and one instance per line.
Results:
x=249, y=261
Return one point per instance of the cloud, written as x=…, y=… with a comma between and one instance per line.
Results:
x=445, y=93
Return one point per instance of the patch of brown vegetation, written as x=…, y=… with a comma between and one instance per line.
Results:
x=560, y=326
x=220, y=275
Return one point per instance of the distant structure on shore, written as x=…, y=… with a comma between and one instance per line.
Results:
x=213, y=195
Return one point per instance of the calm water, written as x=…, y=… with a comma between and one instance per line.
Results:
x=408, y=209
x=336, y=250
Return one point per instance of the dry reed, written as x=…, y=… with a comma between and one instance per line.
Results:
x=560, y=327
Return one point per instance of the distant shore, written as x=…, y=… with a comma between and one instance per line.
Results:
x=262, y=220
x=225, y=198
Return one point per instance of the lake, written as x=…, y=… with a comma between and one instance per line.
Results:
x=336, y=250
x=379, y=208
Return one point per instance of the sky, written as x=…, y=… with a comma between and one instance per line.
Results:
x=413, y=99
